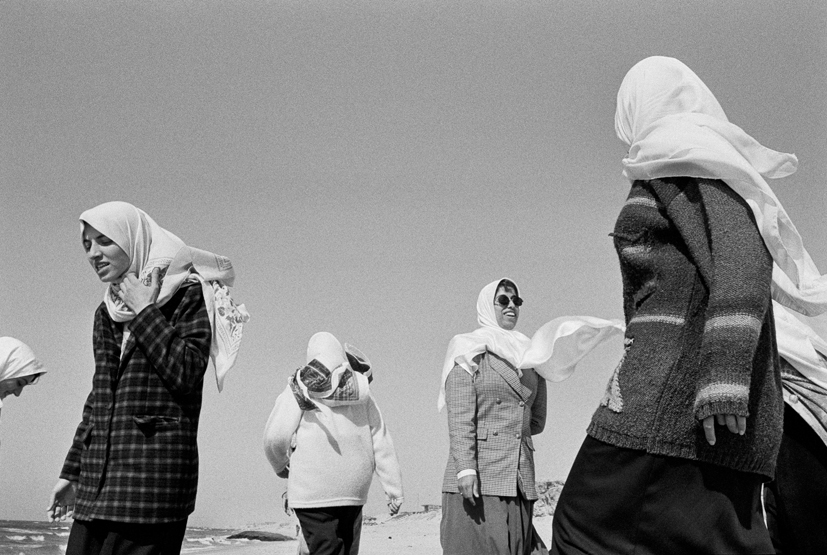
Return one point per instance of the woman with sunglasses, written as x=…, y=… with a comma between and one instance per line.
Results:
x=496, y=401
x=690, y=424
x=130, y=477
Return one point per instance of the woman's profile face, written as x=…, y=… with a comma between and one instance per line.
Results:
x=108, y=260
x=13, y=386
x=507, y=314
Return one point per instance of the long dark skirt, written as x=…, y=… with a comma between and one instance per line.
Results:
x=623, y=501
x=105, y=537
x=796, y=501
x=492, y=526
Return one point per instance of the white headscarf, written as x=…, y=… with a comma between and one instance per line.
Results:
x=553, y=351
x=328, y=377
x=675, y=126
x=150, y=246
x=17, y=360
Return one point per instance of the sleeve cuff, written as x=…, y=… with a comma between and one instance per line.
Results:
x=466, y=472
x=144, y=318
x=730, y=406
x=67, y=474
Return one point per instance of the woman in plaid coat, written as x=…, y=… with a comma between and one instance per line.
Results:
x=131, y=475
x=494, y=385
x=488, y=488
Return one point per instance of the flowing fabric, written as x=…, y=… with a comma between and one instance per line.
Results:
x=553, y=351
x=17, y=360
x=334, y=375
x=675, y=126
x=800, y=340
x=150, y=246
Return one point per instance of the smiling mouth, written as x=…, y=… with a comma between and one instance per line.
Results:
x=509, y=313
x=100, y=266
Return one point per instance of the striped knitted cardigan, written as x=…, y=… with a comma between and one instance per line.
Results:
x=700, y=337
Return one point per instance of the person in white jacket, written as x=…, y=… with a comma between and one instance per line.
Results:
x=326, y=435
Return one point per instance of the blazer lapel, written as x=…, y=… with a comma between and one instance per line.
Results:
x=126, y=352
x=509, y=374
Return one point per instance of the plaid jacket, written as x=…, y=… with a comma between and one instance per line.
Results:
x=134, y=454
x=491, y=418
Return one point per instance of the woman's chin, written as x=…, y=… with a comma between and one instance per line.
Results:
x=109, y=278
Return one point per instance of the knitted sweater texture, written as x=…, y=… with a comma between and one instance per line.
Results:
x=337, y=449
x=700, y=337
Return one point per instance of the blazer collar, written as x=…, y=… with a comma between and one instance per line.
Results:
x=509, y=374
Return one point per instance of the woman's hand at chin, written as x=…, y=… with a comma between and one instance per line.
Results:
x=138, y=296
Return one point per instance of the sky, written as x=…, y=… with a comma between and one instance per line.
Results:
x=368, y=166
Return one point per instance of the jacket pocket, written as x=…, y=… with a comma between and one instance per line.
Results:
x=86, y=437
x=622, y=239
x=151, y=423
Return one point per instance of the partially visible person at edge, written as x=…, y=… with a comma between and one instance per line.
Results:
x=795, y=502
x=496, y=401
x=327, y=436
x=131, y=474
x=18, y=367
x=690, y=424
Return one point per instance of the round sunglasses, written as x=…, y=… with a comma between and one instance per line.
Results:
x=503, y=300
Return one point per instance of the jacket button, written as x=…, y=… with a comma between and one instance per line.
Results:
x=794, y=398
x=522, y=404
x=499, y=401
x=495, y=433
x=517, y=436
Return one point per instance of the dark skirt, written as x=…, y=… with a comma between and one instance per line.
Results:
x=492, y=526
x=331, y=530
x=796, y=501
x=105, y=537
x=622, y=501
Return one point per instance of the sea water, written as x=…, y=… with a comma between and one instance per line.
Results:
x=30, y=537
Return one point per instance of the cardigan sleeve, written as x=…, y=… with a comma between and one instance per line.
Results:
x=278, y=432
x=384, y=453
x=461, y=401
x=721, y=234
x=179, y=353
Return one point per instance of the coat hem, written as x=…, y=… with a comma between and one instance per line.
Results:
x=659, y=446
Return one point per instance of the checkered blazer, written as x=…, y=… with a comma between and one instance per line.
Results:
x=491, y=418
x=134, y=454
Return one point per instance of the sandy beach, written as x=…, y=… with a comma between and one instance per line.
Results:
x=405, y=534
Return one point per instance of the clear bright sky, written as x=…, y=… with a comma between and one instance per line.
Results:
x=368, y=166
